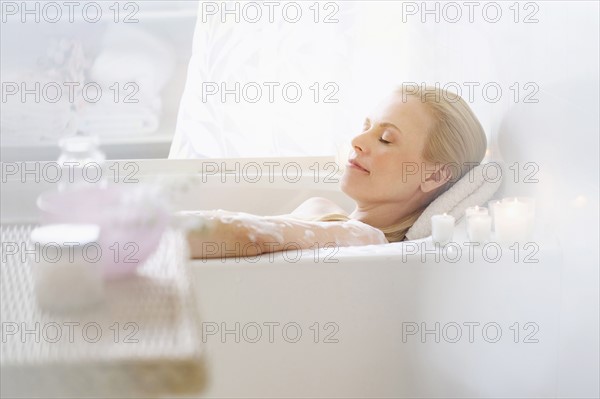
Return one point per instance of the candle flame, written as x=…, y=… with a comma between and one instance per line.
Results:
x=580, y=201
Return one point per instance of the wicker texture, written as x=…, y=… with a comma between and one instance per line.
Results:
x=142, y=340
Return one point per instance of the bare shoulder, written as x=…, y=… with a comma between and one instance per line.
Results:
x=317, y=206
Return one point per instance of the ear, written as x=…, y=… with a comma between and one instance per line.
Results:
x=437, y=178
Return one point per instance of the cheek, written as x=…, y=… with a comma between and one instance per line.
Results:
x=413, y=175
x=406, y=164
x=394, y=184
x=412, y=181
x=399, y=179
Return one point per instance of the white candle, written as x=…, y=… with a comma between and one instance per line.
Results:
x=527, y=201
x=492, y=205
x=530, y=204
x=442, y=228
x=479, y=228
x=67, y=272
x=475, y=211
x=513, y=220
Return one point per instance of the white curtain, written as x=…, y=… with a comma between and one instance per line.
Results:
x=374, y=46
x=302, y=67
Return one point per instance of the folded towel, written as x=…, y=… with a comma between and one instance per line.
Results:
x=474, y=188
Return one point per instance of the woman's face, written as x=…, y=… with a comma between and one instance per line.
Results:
x=386, y=163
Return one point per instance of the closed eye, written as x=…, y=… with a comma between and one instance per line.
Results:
x=384, y=141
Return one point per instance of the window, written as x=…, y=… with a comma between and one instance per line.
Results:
x=115, y=70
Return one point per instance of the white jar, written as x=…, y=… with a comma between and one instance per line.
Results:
x=67, y=268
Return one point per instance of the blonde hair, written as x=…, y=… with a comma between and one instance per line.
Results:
x=456, y=140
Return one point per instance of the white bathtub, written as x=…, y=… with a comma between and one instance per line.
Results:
x=370, y=296
x=362, y=311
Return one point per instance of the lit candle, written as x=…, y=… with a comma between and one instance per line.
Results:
x=528, y=202
x=442, y=228
x=513, y=220
x=479, y=228
x=475, y=211
x=492, y=205
x=67, y=272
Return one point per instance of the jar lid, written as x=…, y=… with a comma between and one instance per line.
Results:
x=60, y=234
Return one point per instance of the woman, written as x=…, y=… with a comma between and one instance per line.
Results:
x=416, y=144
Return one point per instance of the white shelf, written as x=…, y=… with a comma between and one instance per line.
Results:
x=147, y=146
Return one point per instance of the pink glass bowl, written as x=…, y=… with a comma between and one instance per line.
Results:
x=130, y=231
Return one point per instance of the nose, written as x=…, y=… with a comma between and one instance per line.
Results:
x=359, y=143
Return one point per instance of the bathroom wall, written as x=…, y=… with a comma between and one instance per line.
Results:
x=547, y=136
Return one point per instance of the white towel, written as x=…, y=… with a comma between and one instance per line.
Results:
x=474, y=188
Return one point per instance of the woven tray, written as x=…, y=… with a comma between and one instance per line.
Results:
x=143, y=340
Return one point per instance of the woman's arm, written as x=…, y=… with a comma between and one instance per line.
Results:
x=226, y=234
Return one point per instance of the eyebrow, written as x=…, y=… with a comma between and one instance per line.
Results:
x=386, y=124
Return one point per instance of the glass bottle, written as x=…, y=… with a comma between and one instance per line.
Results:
x=82, y=163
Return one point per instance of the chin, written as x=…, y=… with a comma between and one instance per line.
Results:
x=347, y=186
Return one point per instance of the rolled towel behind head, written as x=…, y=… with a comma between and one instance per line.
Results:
x=474, y=188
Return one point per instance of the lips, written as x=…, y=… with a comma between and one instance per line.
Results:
x=355, y=163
